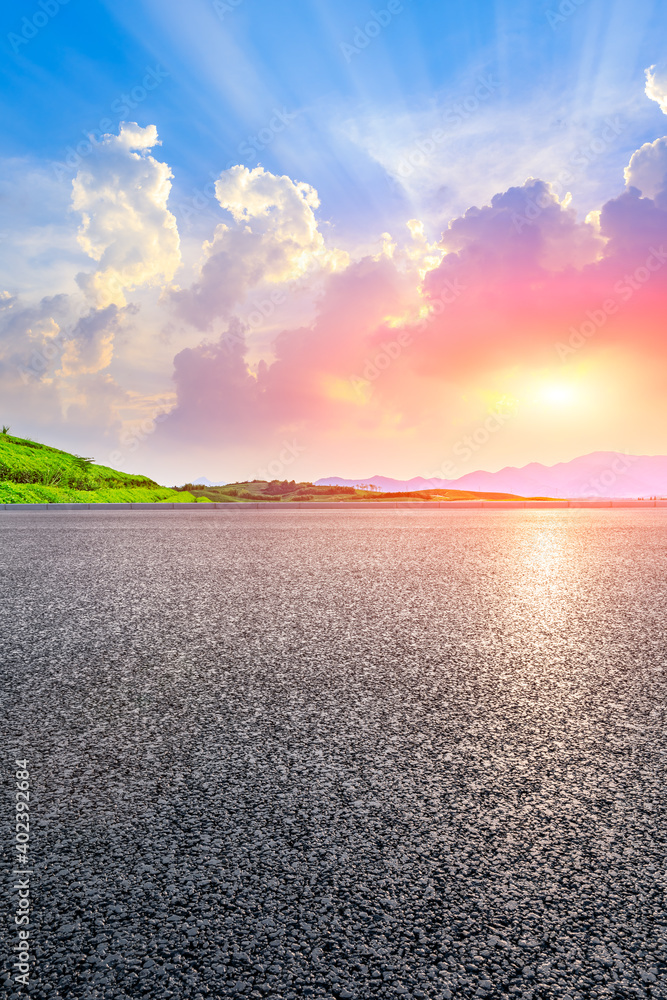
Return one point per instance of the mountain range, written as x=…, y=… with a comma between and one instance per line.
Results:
x=600, y=474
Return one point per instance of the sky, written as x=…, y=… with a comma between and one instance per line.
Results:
x=265, y=239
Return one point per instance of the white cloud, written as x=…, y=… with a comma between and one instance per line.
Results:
x=89, y=347
x=648, y=167
x=121, y=192
x=656, y=86
x=275, y=239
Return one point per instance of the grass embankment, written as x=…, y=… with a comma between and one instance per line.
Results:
x=289, y=492
x=36, y=473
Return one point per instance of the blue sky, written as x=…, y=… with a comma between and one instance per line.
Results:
x=231, y=65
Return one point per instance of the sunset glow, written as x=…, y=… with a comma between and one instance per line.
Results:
x=357, y=258
x=558, y=394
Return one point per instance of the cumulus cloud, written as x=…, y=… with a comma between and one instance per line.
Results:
x=48, y=341
x=517, y=278
x=656, y=86
x=121, y=192
x=89, y=347
x=522, y=293
x=275, y=239
x=647, y=170
x=31, y=337
x=524, y=226
x=505, y=284
x=309, y=384
x=218, y=398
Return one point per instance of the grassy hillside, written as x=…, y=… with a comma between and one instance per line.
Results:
x=25, y=461
x=36, y=473
x=287, y=492
x=36, y=493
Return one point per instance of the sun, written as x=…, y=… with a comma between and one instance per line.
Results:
x=557, y=394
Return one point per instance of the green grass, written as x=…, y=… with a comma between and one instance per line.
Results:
x=36, y=473
x=26, y=461
x=36, y=493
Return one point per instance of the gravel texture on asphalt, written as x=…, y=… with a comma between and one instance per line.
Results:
x=338, y=754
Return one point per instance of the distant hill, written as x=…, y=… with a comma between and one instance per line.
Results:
x=602, y=473
x=31, y=472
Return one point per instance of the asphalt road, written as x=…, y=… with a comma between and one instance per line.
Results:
x=338, y=754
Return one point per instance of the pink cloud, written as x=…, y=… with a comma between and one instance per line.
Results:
x=519, y=276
